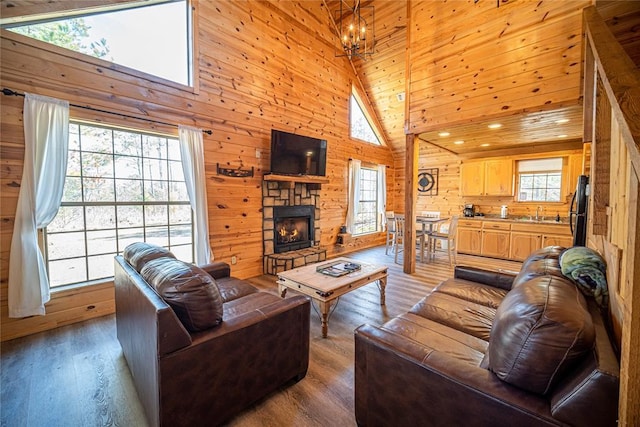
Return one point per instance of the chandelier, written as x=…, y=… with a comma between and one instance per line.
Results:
x=355, y=25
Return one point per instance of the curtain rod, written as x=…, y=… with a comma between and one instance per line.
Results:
x=10, y=92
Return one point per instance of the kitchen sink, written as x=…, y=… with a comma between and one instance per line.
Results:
x=538, y=221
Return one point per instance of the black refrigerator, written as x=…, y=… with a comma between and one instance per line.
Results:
x=578, y=211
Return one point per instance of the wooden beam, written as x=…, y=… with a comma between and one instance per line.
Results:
x=590, y=76
x=411, y=178
x=600, y=163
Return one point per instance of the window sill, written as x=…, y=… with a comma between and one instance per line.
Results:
x=66, y=290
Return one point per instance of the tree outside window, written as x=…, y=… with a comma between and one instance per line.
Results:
x=366, y=220
x=120, y=187
x=141, y=38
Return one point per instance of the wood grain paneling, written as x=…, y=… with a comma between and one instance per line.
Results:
x=260, y=65
x=475, y=60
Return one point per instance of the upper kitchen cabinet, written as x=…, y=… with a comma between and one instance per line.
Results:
x=487, y=178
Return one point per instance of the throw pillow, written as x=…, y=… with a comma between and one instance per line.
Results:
x=541, y=329
x=588, y=270
x=190, y=291
x=139, y=253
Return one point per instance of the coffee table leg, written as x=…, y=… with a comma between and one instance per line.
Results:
x=283, y=290
x=382, y=284
x=324, y=316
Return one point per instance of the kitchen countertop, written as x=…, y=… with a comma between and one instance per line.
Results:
x=517, y=219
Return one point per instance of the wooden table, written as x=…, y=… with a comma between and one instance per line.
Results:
x=430, y=222
x=325, y=289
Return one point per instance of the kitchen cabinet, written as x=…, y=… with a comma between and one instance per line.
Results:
x=487, y=178
x=495, y=239
x=498, y=177
x=509, y=239
x=557, y=240
x=472, y=178
x=469, y=237
x=522, y=243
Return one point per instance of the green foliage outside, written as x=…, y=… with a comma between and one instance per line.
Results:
x=71, y=34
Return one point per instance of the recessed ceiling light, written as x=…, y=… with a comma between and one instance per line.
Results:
x=562, y=136
x=443, y=134
x=458, y=142
x=560, y=121
x=495, y=126
x=484, y=145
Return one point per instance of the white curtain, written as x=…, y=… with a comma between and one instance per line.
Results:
x=354, y=194
x=46, y=140
x=382, y=196
x=192, y=153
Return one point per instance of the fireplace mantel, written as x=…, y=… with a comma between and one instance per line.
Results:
x=306, y=179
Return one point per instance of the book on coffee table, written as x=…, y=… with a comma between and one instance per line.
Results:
x=338, y=268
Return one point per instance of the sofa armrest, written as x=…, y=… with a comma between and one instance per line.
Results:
x=498, y=279
x=399, y=381
x=235, y=364
x=217, y=269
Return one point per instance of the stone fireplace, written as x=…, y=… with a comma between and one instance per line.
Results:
x=290, y=225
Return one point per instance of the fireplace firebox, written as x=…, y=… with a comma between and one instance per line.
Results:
x=293, y=227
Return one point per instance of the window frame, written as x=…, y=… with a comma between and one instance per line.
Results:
x=355, y=94
x=358, y=223
x=116, y=228
x=562, y=172
x=106, y=66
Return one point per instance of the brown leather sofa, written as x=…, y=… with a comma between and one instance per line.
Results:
x=491, y=349
x=201, y=345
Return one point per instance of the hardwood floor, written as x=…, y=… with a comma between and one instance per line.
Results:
x=77, y=376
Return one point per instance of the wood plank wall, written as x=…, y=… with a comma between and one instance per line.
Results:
x=477, y=60
x=260, y=65
x=613, y=232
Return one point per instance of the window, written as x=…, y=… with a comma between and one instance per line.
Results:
x=121, y=187
x=539, y=180
x=360, y=127
x=366, y=220
x=142, y=38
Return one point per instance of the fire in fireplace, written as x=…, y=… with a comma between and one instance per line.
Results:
x=293, y=227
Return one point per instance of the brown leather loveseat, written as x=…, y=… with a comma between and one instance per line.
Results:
x=491, y=349
x=201, y=345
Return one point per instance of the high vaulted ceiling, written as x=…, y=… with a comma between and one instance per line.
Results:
x=474, y=64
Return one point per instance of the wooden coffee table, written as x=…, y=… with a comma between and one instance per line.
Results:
x=325, y=289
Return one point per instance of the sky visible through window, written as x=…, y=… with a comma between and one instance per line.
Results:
x=360, y=126
x=152, y=39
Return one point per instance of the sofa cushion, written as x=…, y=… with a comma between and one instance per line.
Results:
x=456, y=313
x=139, y=253
x=540, y=263
x=232, y=288
x=541, y=329
x=188, y=289
x=489, y=296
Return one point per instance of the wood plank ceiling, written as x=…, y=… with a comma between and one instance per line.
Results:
x=526, y=52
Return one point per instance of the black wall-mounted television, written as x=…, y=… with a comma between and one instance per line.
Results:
x=293, y=154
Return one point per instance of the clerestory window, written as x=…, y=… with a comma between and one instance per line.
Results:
x=156, y=39
x=360, y=126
